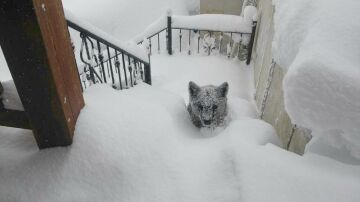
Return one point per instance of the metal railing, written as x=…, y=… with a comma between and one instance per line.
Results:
x=102, y=61
x=209, y=40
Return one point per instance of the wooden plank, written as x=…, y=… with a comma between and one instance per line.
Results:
x=37, y=48
x=14, y=118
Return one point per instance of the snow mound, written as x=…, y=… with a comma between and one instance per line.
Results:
x=250, y=13
x=141, y=151
x=318, y=41
x=140, y=145
x=116, y=156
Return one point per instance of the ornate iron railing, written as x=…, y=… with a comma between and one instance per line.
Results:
x=102, y=61
x=209, y=40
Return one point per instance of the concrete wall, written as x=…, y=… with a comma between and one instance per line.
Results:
x=221, y=6
x=268, y=83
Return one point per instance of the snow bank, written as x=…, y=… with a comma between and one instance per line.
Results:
x=147, y=149
x=125, y=155
x=140, y=145
x=131, y=48
x=318, y=42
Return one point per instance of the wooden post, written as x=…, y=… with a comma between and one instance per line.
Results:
x=169, y=34
x=147, y=70
x=36, y=45
x=251, y=43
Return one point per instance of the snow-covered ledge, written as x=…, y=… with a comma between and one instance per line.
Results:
x=318, y=44
x=211, y=22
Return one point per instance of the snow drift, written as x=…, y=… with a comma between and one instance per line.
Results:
x=146, y=149
x=318, y=42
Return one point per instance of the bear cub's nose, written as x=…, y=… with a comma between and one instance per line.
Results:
x=207, y=122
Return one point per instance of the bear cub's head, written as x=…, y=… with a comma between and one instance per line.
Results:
x=208, y=104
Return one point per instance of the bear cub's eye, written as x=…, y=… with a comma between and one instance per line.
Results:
x=215, y=107
x=200, y=108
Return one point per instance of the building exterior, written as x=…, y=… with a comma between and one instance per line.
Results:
x=233, y=7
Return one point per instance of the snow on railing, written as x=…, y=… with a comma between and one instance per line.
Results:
x=213, y=22
x=105, y=59
x=211, y=31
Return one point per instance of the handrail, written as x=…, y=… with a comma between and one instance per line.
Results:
x=245, y=35
x=90, y=34
x=122, y=66
x=244, y=28
x=208, y=30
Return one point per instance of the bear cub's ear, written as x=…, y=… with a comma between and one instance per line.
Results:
x=223, y=89
x=193, y=89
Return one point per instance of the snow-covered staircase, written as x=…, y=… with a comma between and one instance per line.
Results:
x=102, y=58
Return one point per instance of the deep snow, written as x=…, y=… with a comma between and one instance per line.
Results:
x=140, y=145
x=318, y=43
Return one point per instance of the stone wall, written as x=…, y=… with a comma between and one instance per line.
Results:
x=268, y=83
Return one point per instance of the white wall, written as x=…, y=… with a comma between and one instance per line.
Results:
x=221, y=6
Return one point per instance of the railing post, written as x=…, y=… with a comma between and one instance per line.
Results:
x=169, y=33
x=251, y=43
x=147, y=70
x=147, y=74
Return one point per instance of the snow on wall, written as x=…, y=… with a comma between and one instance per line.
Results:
x=129, y=47
x=318, y=43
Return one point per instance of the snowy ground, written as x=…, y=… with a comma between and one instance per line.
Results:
x=139, y=145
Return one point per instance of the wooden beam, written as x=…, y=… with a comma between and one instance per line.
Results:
x=36, y=45
x=14, y=118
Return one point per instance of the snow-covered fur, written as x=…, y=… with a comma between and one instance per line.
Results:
x=208, y=105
